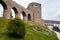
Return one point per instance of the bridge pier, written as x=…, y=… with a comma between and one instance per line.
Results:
x=6, y=13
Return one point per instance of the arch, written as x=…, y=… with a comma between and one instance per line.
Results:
x=3, y=8
x=14, y=8
x=29, y=17
x=23, y=15
x=3, y=4
x=13, y=13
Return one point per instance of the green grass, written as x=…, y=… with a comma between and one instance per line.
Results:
x=31, y=33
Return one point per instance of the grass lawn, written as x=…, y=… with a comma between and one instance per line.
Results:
x=31, y=34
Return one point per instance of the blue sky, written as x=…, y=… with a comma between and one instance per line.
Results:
x=50, y=8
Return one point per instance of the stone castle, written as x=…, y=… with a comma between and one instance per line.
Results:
x=32, y=13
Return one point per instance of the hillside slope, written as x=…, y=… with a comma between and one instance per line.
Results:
x=32, y=32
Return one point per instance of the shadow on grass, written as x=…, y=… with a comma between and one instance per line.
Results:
x=15, y=36
x=4, y=36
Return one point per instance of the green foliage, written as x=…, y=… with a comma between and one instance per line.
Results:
x=56, y=29
x=3, y=24
x=31, y=34
x=16, y=28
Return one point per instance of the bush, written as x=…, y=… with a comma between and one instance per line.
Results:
x=16, y=28
x=56, y=29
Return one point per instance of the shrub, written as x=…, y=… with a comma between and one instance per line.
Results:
x=16, y=28
x=56, y=29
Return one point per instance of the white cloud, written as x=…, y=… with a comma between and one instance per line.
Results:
x=50, y=9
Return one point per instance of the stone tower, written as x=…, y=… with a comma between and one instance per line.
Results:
x=36, y=9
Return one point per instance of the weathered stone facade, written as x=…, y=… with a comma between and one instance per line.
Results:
x=32, y=13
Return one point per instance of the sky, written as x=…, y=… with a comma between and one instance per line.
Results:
x=50, y=8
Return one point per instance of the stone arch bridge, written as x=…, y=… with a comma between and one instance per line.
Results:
x=31, y=13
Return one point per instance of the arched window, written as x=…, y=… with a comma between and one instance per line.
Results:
x=13, y=12
x=3, y=7
x=29, y=17
x=23, y=15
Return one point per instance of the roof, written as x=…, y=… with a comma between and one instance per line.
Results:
x=35, y=3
